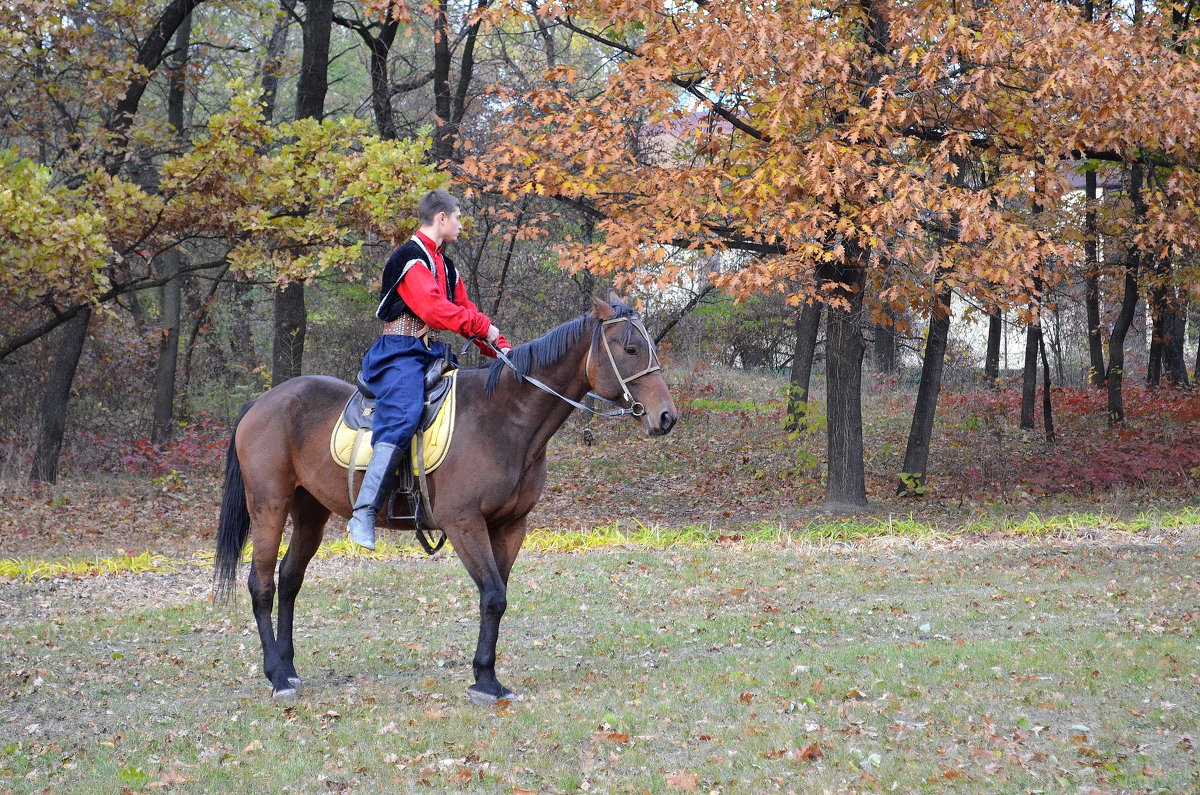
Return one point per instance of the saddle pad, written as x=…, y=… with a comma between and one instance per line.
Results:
x=437, y=437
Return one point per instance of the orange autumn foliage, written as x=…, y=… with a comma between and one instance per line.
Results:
x=794, y=129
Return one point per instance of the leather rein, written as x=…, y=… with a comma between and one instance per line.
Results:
x=635, y=408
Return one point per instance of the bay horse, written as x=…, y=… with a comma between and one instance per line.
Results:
x=279, y=465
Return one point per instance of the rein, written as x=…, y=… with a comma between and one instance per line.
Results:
x=635, y=408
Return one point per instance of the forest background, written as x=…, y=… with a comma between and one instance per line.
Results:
x=197, y=199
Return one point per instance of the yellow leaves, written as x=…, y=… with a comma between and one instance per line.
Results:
x=51, y=237
x=309, y=187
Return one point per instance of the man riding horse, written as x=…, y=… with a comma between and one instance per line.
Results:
x=421, y=295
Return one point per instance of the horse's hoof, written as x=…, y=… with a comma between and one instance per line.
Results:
x=285, y=694
x=482, y=699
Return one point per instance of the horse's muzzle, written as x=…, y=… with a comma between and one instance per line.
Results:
x=666, y=421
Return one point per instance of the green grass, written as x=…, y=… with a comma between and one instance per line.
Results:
x=729, y=404
x=638, y=535
x=750, y=667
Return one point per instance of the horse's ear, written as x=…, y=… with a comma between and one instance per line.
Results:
x=616, y=298
x=602, y=310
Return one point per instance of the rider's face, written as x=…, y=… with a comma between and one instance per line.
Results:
x=450, y=224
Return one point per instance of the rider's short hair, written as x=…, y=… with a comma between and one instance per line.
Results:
x=434, y=202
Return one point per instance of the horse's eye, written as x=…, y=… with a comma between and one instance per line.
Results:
x=631, y=350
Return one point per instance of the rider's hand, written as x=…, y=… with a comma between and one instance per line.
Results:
x=493, y=333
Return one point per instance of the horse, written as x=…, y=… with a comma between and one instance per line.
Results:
x=279, y=465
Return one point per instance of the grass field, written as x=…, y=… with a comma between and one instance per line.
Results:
x=685, y=617
x=931, y=666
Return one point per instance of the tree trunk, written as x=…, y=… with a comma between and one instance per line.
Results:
x=57, y=396
x=314, y=63
x=1091, y=280
x=1057, y=348
x=991, y=360
x=381, y=83
x=1033, y=338
x=1166, y=343
x=1173, y=360
x=291, y=318
x=912, y=481
x=1115, y=373
x=449, y=108
x=443, y=135
x=1196, y=369
x=1047, y=408
x=885, y=347
x=846, y=483
x=177, y=80
x=273, y=66
x=1116, y=344
x=201, y=315
x=149, y=56
x=162, y=422
x=287, y=352
x=163, y=415
x=808, y=323
x=1159, y=323
x=241, y=338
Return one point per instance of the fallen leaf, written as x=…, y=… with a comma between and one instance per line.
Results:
x=808, y=753
x=683, y=780
x=616, y=737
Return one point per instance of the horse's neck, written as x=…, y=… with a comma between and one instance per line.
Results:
x=542, y=413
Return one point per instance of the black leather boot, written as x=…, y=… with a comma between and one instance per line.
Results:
x=371, y=495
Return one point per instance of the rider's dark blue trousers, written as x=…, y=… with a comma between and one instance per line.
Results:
x=394, y=369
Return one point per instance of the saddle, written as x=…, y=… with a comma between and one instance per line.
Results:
x=360, y=408
x=350, y=444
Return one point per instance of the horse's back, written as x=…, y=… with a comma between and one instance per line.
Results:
x=288, y=427
x=305, y=396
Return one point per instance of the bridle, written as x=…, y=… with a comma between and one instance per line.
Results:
x=652, y=365
x=634, y=408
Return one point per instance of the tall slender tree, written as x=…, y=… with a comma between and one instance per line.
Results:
x=913, y=478
x=291, y=314
x=162, y=420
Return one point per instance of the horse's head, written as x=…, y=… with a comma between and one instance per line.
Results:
x=623, y=366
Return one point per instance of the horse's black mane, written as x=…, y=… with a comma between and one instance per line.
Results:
x=549, y=348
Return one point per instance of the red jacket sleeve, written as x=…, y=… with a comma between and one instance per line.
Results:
x=424, y=296
x=461, y=298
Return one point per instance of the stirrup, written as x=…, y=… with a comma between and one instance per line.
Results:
x=411, y=504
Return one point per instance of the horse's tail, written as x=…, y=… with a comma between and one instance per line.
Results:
x=234, y=526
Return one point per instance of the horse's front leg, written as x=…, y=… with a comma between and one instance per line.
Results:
x=474, y=548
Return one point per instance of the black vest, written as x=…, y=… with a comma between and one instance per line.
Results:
x=391, y=305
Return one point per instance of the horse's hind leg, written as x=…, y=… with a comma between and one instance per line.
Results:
x=308, y=525
x=267, y=517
